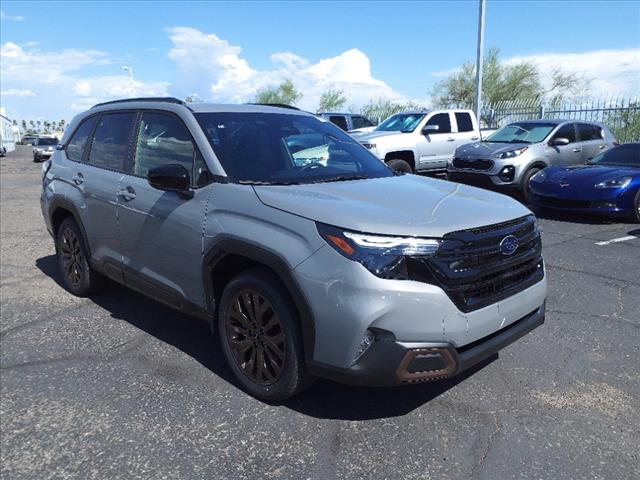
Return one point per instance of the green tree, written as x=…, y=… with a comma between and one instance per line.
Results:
x=379, y=109
x=38, y=124
x=33, y=125
x=47, y=126
x=331, y=100
x=286, y=93
x=502, y=82
x=193, y=98
x=24, y=125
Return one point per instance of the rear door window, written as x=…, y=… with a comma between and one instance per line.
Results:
x=75, y=147
x=111, y=140
x=463, y=119
x=443, y=122
x=589, y=131
x=360, y=122
x=567, y=131
x=340, y=121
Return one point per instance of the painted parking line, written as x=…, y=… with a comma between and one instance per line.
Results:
x=617, y=240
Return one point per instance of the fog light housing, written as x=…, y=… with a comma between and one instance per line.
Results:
x=364, y=345
x=507, y=173
x=606, y=205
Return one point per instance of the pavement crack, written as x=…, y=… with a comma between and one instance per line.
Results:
x=490, y=444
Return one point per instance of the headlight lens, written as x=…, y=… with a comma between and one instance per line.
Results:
x=513, y=153
x=384, y=256
x=369, y=146
x=620, y=182
x=539, y=177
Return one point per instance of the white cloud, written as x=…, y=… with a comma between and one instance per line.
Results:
x=214, y=69
x=15, y=92
x=612, y=72
x=6, y=16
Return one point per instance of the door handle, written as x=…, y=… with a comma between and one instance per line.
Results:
x=450, y=139
x=601, y=147
x=475, y=138
x=78, y=179
x=576, y=150
x=127, y=194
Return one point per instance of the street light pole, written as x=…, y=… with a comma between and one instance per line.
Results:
x=129, y=68
x=478, y=103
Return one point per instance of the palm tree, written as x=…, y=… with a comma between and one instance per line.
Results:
x=38, y=124
x=33, y=125
x=62, y=123
x=46, y=124
x=24, y=125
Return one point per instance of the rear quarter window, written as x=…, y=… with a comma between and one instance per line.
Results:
x=75, y=146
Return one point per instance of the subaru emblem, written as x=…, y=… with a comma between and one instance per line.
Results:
x=509, y=245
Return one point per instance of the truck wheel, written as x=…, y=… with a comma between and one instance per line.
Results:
x=260, y=337
x=399, y=165
x=73, y=261
x=635, y=215
x=525, y=188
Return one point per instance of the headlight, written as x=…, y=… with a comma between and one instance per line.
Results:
x=369, y=146
x=384, y=256
x=513, y=153
x=539, y=177
x=621, y=182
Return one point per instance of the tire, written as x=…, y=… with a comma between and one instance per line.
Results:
x=260, y=336
x=524, y=189
x=73, y=261
x=635, y=214
x=399, y=165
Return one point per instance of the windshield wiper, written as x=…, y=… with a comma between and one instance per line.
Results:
x=342, y=178
x=263, y=182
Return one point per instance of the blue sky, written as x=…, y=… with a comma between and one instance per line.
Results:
x=59, y=57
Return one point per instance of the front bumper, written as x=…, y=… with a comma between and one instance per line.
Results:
x=389, y=362
x=606, y=202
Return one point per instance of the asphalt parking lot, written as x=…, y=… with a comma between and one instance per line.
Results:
x=118, y=386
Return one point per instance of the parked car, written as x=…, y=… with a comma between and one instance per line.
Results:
x=421, y=141
x=512, y=155
x=28, y=139
x=609, y=184
x=349, y=122
x=338, y=269
x=43, y=148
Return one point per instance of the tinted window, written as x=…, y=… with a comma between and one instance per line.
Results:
x=75, y=147
x=361, y=122
x=625, y=155
x=47, y=141
x=567, y=131
x=589, y=132
x=464, y=122
x=162, y=139
x=340, y=121
x=276, y=148
x=443, y=122
x=110, y=146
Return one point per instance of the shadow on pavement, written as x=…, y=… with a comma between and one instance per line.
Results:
x=192, y=336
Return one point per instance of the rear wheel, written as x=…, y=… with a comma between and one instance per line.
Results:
x=260, y=337
x=635, y=215
x=73, y=260
x=525, y=187
x=399, y=165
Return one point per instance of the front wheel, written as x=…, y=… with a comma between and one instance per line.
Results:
x=399, y=165
x=635, y=214
x=525, y=187
x=260, y=336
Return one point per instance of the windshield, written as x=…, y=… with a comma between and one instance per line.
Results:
x=400, y=122
x=281, y=149
x=47, y=141
x=622, y=156
x=521, y=132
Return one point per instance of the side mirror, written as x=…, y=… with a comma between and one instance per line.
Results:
x=560, y=141
x=430, y=129
x=171, y=178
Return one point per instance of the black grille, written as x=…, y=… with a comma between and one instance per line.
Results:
x=473, y=271
x=561, y=202
x=472, y=164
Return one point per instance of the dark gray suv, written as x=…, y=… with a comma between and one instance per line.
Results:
x=304, y=252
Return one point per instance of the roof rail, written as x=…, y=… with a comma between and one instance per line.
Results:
x=143, y=99
x=281, y=105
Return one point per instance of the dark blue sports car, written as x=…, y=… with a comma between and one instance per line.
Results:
x=608, y=184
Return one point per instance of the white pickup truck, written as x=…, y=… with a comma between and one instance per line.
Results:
x=421, y=141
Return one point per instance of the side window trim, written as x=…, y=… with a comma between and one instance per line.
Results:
x=196, y=149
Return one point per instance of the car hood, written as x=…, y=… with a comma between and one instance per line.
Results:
x=367, y=137
x=588, y=175
x=404, y=205
x=486, y=149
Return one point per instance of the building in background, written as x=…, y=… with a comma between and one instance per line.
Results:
x=8, y=134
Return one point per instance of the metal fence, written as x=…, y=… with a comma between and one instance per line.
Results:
x=621, y=115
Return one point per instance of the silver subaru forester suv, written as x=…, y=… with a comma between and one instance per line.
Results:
x=306, y=254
